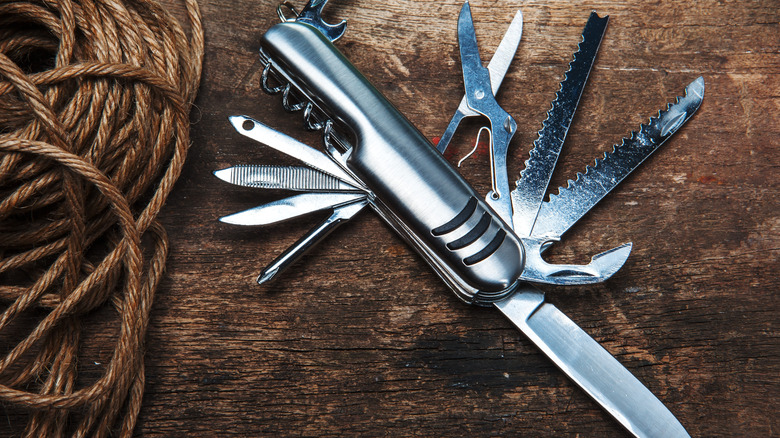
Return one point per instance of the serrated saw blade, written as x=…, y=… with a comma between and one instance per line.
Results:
x=572, y=202
x=527, y=197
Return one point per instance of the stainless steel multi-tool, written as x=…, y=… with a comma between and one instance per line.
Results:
x=488, y=250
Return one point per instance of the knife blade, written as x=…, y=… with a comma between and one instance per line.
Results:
x=497, y=67
x=590, y=366
x=291, y=207
x=298, y=178
x=284, y=143
x=563, y=210
x=527, y=197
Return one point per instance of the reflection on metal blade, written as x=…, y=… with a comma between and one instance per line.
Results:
x=291, y=207
x=590, y=366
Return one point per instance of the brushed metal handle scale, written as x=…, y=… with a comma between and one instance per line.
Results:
x=414, y=187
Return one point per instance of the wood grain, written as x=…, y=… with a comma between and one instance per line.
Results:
x=361, y=338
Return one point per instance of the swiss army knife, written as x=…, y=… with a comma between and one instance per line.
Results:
x=488, y=250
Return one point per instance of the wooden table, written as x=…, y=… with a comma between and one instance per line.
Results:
x=361, y=338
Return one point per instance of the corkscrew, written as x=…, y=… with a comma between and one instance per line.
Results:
x=294, y=98
x=486, y=249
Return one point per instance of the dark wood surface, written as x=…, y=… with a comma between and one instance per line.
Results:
x=361, y=338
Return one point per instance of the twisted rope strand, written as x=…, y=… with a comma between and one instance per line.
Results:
x=94, y=131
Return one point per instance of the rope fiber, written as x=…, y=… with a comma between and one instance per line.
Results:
x=94, y=130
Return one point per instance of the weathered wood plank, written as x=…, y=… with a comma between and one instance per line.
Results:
x=361, y=338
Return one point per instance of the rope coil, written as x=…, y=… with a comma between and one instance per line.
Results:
x=94, y=130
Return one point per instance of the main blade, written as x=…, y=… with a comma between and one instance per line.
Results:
x=291, y=207
x=497, y=67
x=297, y=178
x=571, y=203
x=532, y=185
x=590, y=366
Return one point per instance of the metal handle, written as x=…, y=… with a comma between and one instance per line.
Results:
x=416, y=189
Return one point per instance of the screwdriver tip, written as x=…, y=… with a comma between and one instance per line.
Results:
x=267, y=275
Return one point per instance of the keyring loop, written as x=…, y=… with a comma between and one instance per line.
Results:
x=280, y=12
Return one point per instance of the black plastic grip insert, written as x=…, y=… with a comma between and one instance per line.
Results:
x=472, y=235
x=486, y=251
x=458, y=220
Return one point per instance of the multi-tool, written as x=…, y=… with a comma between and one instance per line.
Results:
x=488, y=250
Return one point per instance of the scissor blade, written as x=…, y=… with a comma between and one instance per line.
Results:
x=291, y=207
x=505, y=52
x=299, y=178
x=287, y=145
x=480, y=98
x=527, y=197
x=497, y=67
x=475, y=75
x=590, y=366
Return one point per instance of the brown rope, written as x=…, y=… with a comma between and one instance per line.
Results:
x=94, y=130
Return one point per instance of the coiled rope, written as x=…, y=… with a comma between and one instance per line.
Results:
x=94, y=130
